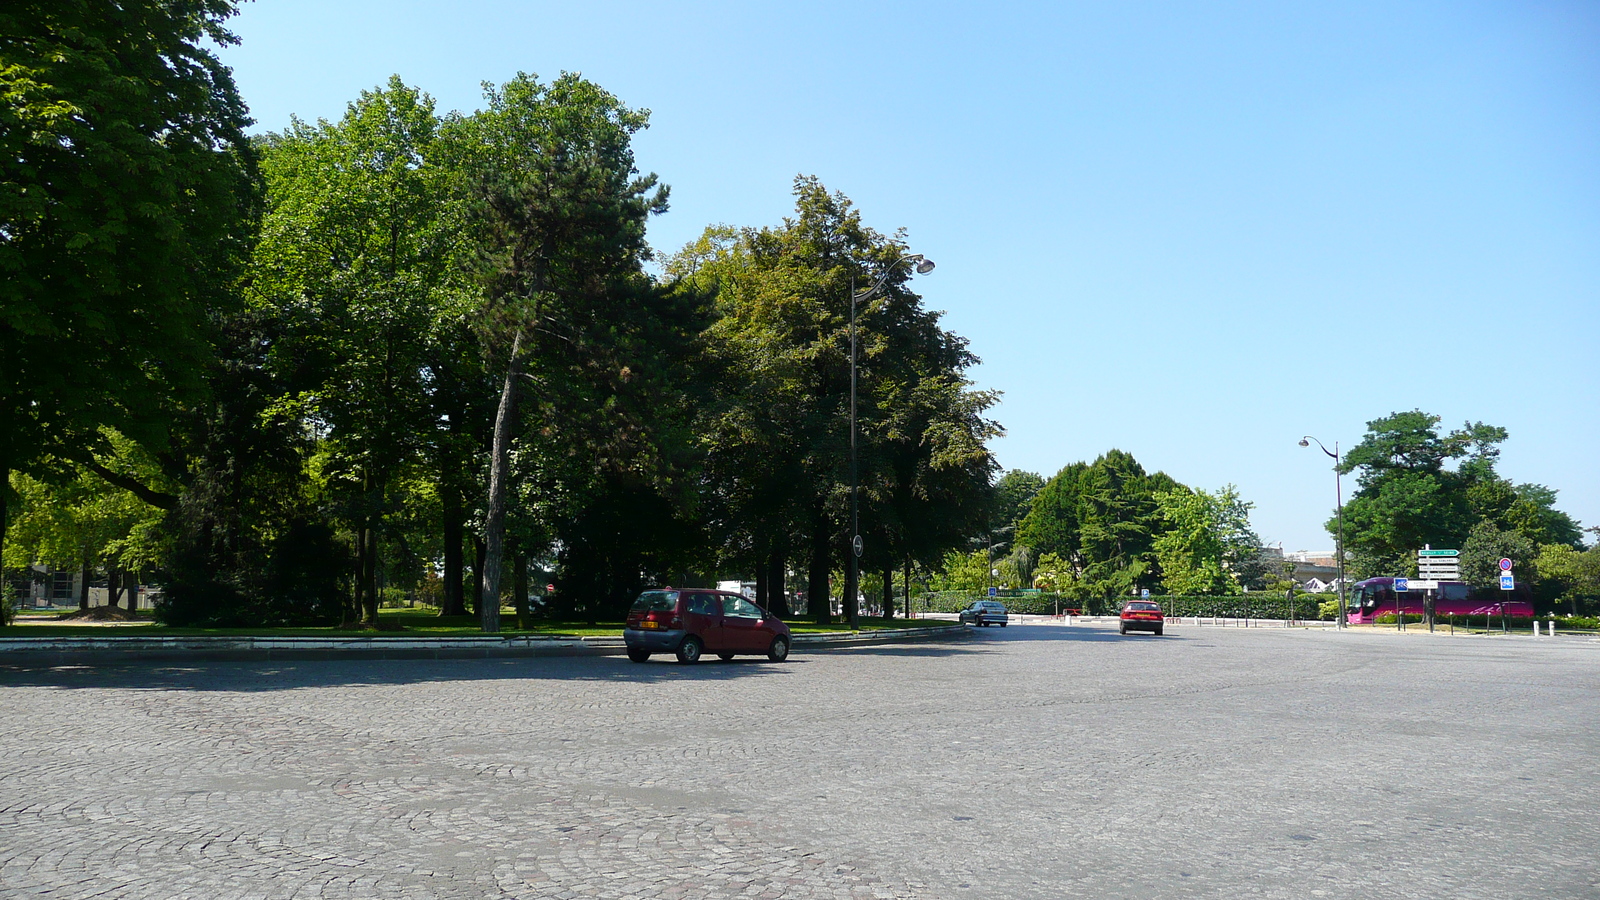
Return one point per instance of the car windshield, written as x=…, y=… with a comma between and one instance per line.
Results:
x=1144, y=607
x=656, y=601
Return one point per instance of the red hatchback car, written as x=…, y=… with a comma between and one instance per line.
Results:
x=689, y=622
x=1142, y=615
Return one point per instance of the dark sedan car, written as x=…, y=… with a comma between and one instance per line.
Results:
x=984, y=612
x=689, y=622
x=1142, y=615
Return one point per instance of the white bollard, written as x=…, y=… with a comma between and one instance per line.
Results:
x=1552, y=627
x=1535, y=627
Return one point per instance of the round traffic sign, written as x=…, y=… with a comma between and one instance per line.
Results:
x=856, y=545
x=1505, y=564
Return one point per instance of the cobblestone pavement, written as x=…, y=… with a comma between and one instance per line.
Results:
x=1034, y=761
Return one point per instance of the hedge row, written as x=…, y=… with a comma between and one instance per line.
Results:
x=1244, y=606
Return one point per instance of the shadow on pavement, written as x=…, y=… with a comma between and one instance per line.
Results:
x=251, y=677
x=1065, y=633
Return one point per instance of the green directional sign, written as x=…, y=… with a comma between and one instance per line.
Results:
x=1438, y=552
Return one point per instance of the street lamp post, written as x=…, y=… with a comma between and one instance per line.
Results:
x=1338, y=497
x=923, y=266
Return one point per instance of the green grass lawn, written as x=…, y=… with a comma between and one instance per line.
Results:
x=420, y=622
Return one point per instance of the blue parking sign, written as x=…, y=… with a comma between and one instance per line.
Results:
x=1508, y=582
x=1402, y=585
x=994, y=592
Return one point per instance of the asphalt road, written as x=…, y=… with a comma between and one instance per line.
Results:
x=1032, y=761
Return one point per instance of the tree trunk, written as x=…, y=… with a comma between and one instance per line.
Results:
x=113, y=587
x=83, y=586
x=454, y=604
x=477, y=574
x=775, y=586
x=494, y=525
x=763, y=597
x=818, y=602
x=369, y=611
x=358, y=597
x=907, y=585
x=888, y=591
x=519, y=586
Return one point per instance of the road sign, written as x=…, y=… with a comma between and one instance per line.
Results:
x=1508, y=582
x=1144, y=593
x=855, y=544
x=994, y=592
x=1505, y=564
x=1438, y=552
x=1402, y=585
x=1423, y=584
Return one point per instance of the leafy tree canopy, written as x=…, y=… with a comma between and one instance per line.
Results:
x=1419, y=487
x=126, y=199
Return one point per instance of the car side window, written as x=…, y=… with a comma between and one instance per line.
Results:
x=702, y=605
x=739, y=606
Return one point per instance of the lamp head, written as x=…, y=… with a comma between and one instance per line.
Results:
x=1304, y=442
x=924, y=266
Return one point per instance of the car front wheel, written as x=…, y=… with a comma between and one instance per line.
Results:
x=689, y=650
x=779, y=651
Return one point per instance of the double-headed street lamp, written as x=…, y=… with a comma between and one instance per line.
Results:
x=1338, y=496
x=852, y=585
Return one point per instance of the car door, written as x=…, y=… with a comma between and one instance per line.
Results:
x=703, y=617
x=743, y=624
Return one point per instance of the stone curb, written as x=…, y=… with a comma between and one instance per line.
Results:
x=111, y=650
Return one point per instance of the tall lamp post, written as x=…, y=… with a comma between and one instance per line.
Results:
x=923, y=266
x=1338, y=496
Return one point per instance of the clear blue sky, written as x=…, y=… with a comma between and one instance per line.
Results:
x=1192, y=231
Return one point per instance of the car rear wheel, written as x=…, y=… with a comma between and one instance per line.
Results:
x=638, y=655
x=689, y=650
x=779, y=651
x=1002, y=624
x=724, y=656
x=1122, y=628
x=1158, y=631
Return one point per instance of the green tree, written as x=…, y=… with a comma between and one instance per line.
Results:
x=1486, y=545
x=1013, y=497
x=778, y=415
x=1052, y=525
x=1575, y=573
x=962, y=570
x=1207, y=542
x=84, y=524
x=358, y=259
x=557, y=216
x=126, y=198
x=1407, y=494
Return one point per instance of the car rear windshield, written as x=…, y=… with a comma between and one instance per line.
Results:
x=1144, y=607
x=656, y=601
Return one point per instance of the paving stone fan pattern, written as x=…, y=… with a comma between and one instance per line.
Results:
x=1037, y=761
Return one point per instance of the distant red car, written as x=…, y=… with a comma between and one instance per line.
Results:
x=690, y=622
x=1142, y=615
